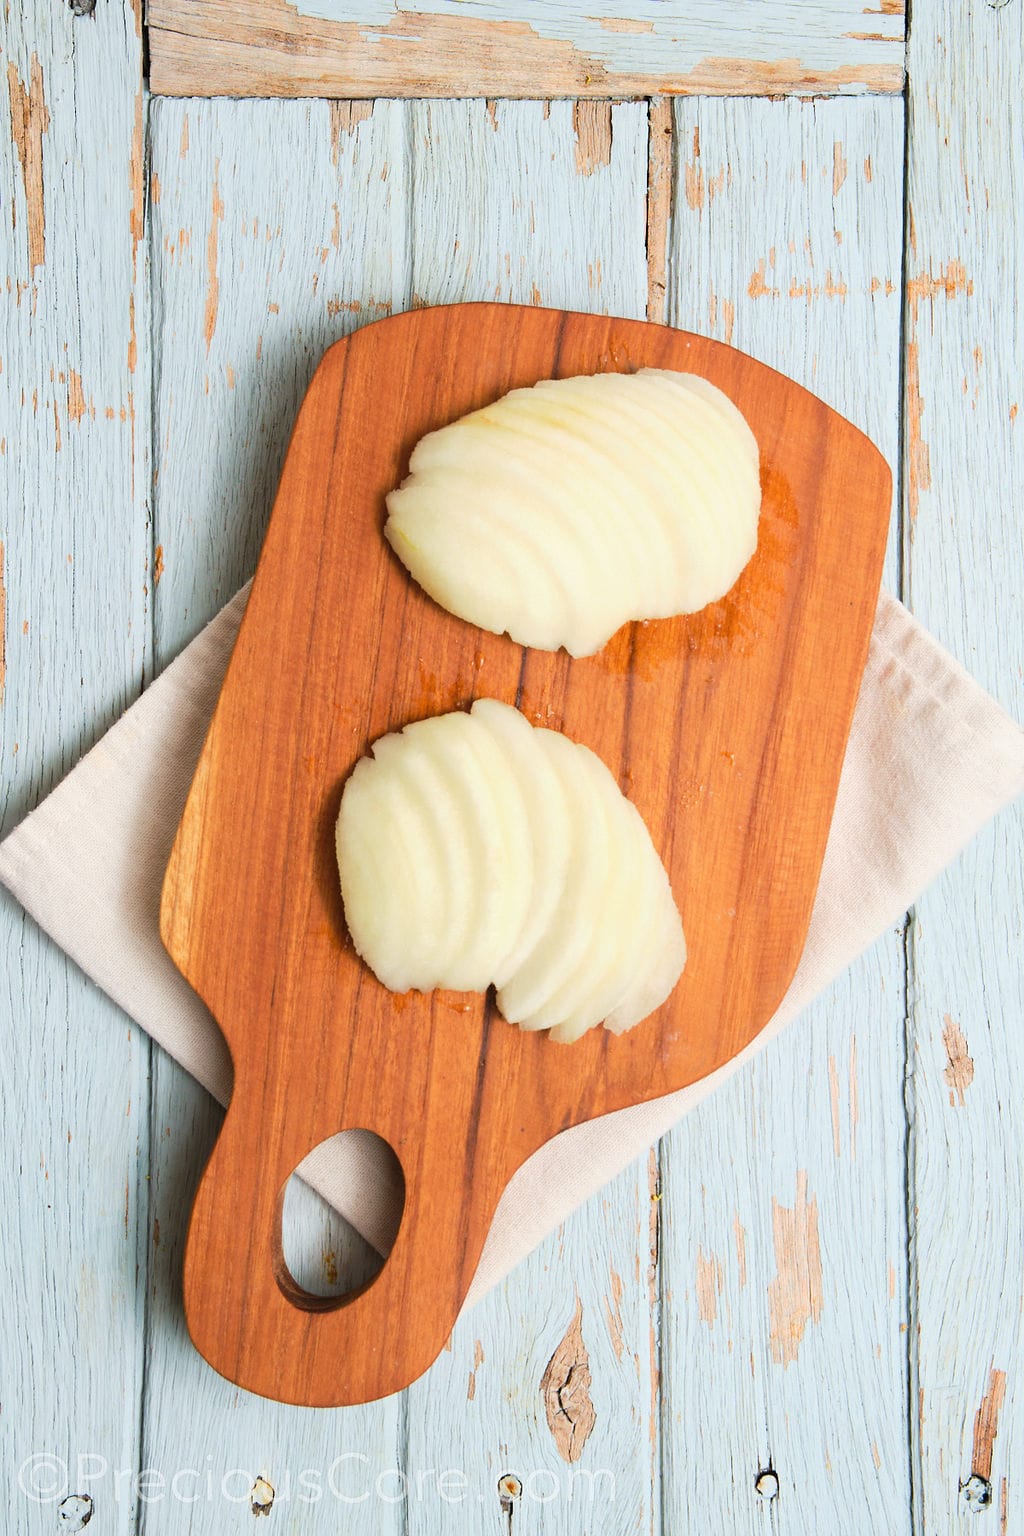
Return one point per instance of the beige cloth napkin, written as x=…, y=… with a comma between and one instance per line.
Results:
x=931, y=757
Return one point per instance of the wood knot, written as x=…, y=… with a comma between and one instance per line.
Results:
x=566, y=1389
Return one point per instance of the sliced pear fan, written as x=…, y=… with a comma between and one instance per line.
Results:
x=561, y=511
x=476, y=849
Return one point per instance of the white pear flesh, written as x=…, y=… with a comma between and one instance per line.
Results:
x=476, y=849
x=562, y=511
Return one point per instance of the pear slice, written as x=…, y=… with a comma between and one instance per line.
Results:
x=559, y=512
x=476, y=849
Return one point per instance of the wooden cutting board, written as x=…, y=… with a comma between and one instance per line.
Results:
x=727, y=729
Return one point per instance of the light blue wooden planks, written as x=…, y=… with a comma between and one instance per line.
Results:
x=315, y=1469
x=75, y=533
x=783, y=1195
x=545, y=1402
x=964, y=486
x=529, y=203
x=276, y=229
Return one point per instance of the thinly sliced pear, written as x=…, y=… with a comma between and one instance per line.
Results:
x=521, y=465
x=565, y=942
x=653, y=985
x=559, y=512
x=448, y=843
x=500, y=847
x=621, y=939
x=580, y=427
x=477, y=849
x=435, y=536
x=547, y=807
x=391, y=893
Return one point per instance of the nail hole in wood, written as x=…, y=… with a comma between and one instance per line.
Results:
x=75, y=1512
x=976, y=1492
x=509, y=1490
x=261, y=1499
x=766, y=1483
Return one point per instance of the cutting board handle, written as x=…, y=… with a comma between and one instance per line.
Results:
x=255, y=1325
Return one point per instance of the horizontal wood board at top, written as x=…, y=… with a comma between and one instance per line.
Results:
x=524, y=48
x=963, y=476
x=74, y=622
x=782, y=1243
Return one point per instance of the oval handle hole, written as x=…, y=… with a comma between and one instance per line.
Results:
x=322, y=1256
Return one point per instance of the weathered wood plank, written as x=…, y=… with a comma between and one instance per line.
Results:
x=275, y=228
x=530, y=203
x=531, y=48
x=545, y=1402
x=317, y=1470
x=526, y=202
x=559, y=223
x=782, y=1197
x=75, y=535
x=964, y=486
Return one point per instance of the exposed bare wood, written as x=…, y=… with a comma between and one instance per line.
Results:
x=959, y=1073
x=710, y=1280
x=345, y=118
x=592, y=125
x=659, y=202
x=795, y=1295
x=212, y=279
x=986, y=1423
x=30, y=118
